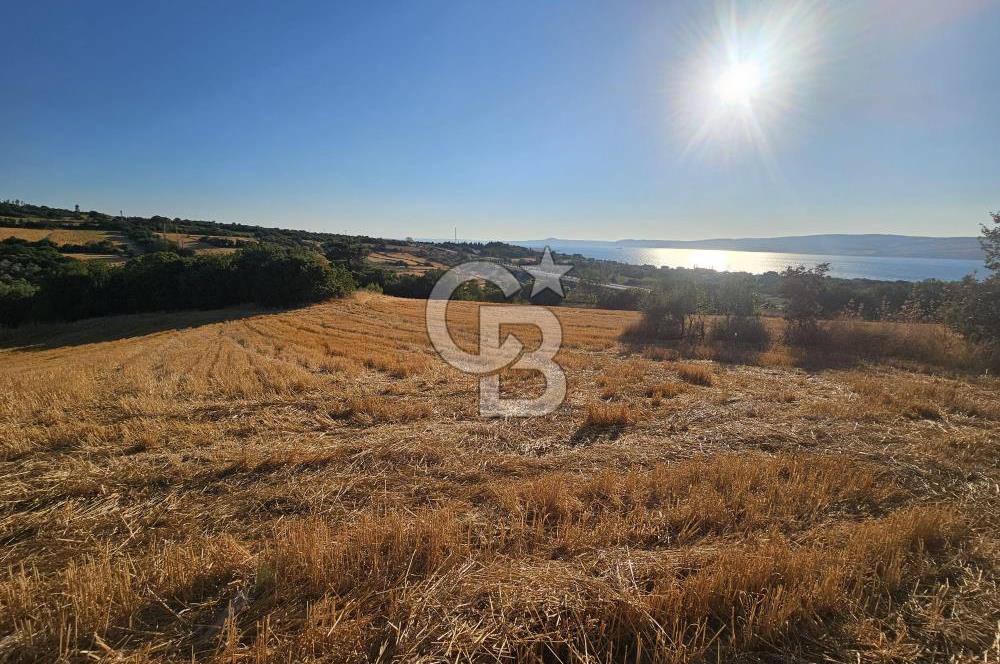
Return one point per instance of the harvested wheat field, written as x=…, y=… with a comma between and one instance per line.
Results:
x=58, y=236
x=316, y=485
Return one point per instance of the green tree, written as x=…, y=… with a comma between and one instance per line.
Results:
x=76, y=290
x=991, y=243
x=737, y=296
x=737, y=299
x=803, y=289
x=411, y=285
x=347, y=252
x=277, y=276
x=666, y=313
x=16, y=301
x=975, y=312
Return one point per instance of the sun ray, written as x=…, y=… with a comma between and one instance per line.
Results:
x=740, y=90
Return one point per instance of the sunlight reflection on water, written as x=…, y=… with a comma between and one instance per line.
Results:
x=759, y=262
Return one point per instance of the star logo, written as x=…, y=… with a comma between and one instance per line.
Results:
x=547, y=275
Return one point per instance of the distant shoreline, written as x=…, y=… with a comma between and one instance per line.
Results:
x=872, y=246
x=876, y=268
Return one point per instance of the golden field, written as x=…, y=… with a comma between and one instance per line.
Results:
x=316, y=485
x=194, y=241
x=404, y=261
x=59, y=236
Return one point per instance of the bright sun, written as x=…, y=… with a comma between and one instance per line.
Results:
x=739, y=83
x=752, y=69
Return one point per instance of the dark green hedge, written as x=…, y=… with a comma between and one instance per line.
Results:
x=267, y=275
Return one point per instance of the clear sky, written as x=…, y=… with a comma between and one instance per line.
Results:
x=511, y=120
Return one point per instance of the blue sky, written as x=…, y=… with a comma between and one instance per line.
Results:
x=507, y=120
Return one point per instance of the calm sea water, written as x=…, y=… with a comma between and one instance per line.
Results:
x=758, y=262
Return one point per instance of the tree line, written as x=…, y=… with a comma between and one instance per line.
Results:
x=47, y=288
x=20, y=214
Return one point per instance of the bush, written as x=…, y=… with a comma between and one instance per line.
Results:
x=275, y=276
x=629, y=299
x=737, y=296
x=737, y=299
x=348, y=252
x=16, y=301
x=991, y=243
x=975, y=313
x=665, y=314
x=368, y=277
x=803, y=289
x=211, y=282
x=78, y=290
x=21, y=260
x=153, y=282
x=96, y=247
x=749, y=330
x=411, y=285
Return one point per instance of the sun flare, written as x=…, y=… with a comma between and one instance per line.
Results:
x=750, y=72
x=739, y=83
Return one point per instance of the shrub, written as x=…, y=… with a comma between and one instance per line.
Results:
x=665, y=314
x=95, y=247
x=21, y=260
x=16, y=300
x=975, y=313
x=737, y=296
x=153, y=282
x=275, y=276
x=991, y=243
x=77, y=290
x=749, y=330
x=630, y=299
x=211, y=282
x=803, y=289
x=411, y=285
x=347, y=251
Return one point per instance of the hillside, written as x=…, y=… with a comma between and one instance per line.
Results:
x=316, y=485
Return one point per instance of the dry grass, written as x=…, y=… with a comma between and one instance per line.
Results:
x=665, y=390
x=193, y=241
x=58, y=236
x=915, y=396
x=372, y=409
x=609, y=415
x=621, y=378
x=316, y=486
x=696, y=374
x=403, y=261
x=837, y=343
x=925, y=343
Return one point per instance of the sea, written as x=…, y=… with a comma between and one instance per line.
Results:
x=759, y=262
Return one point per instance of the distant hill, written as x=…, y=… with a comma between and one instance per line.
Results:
x=889, y=246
